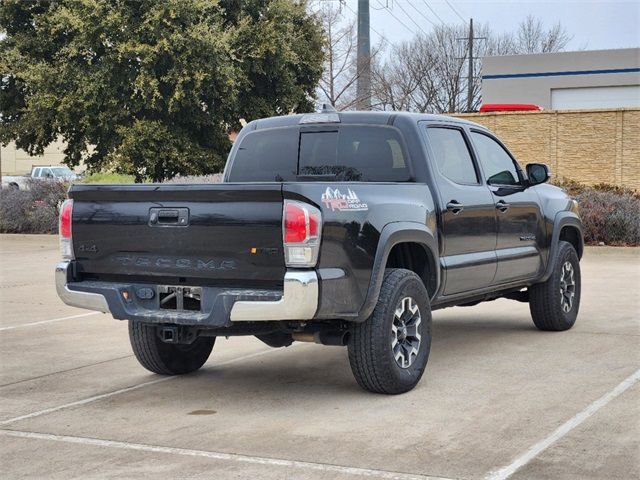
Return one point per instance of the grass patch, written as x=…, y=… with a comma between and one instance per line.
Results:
x=103, y=177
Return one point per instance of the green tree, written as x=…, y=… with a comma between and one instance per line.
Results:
x=149, y=87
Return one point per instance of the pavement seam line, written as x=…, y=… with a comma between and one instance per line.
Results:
x=520, y=461
x=233, y=457
x=102, y=396
x=43, y=322
x=40, y=377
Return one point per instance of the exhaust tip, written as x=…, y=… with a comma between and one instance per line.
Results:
x=339, y=338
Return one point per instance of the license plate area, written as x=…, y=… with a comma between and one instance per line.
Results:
x=180, y=298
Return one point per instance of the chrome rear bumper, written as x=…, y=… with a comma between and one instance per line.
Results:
x=90, y=301
x=299, y=300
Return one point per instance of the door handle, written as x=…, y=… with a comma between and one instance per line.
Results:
x=168, y=217
x=502, y=206
x=455, y=207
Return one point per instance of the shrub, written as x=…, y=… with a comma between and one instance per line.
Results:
x=610, y=213
x=574, y=188
x=34, y=210
x=610, y=217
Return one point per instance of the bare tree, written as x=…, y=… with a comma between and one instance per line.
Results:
x=338, y=81
x=425, y=74
x=430, y=72
x=532, y=37
x=404, y=82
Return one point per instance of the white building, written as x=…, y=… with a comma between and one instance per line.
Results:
x=565, y=80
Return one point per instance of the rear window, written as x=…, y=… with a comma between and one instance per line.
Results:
x=348, y=153
x=266, y=156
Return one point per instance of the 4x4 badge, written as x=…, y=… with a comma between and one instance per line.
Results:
x=336, y=200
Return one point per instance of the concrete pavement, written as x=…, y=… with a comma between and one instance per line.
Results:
x=75, y=403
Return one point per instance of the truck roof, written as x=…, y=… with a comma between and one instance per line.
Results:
x=374, y=118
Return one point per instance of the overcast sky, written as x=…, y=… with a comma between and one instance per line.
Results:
x=594, y=24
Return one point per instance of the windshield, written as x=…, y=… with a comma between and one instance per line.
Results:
x=62, y=172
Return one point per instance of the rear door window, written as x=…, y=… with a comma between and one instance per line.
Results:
x=452, y=155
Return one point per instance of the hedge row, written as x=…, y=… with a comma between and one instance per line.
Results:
x=34, y=210
x=610, y=214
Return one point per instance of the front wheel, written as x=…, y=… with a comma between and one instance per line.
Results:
x=167, y=358
x=388, y=352
x=554, y=304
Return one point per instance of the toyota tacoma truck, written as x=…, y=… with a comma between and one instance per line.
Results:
x=338, y=228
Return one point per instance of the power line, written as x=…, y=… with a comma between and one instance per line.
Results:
x=433, y=11
x=383, y=7
x=422, y=14
x=455, y=11
x=410, y=18
x=356, y=14
x=398, y=20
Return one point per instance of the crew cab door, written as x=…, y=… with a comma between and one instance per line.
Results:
x=520, y=223
x=466, y=212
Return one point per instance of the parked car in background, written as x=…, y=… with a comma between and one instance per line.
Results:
x=41, y=172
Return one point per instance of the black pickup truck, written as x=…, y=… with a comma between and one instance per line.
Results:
x=338, y=228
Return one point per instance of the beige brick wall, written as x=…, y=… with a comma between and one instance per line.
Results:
x=589, y=146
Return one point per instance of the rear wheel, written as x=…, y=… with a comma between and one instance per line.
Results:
x=167, y=358
x=554, y=304
x=388, y=352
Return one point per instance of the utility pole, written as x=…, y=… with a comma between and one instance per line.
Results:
x=470, y=55
x=470, y=81
x=363, y=86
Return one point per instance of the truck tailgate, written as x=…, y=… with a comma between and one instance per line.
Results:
x=227, y=234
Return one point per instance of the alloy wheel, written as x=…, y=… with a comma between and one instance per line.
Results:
x=405, y=336
x=567, y=287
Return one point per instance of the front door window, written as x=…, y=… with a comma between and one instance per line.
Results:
x=499, y=168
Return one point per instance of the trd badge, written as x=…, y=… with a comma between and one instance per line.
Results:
x=336, y=200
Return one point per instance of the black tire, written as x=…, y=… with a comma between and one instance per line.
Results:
x=547, y=303
x=371, y=352
x=167, y=358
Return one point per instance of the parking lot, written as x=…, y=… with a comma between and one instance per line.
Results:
x=499, y=399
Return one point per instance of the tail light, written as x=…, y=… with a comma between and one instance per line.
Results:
x=66, y=242
x=302, y=227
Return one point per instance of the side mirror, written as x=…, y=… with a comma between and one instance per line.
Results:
x=538, y=173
